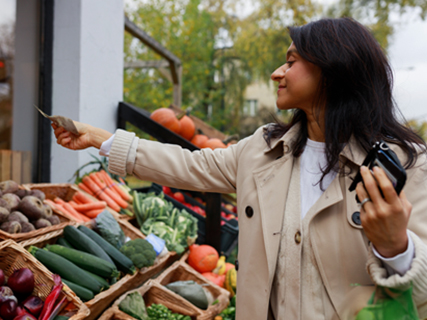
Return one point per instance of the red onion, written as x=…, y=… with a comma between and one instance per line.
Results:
x=2, y=277
x=21, y=281
x=26, y=316
x=33, y=305
x=6, y=293
x=8, y=309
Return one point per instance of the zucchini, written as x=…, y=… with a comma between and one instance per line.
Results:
x=81, y=292
x=66, y=269
x=82, y=242
x=103, y=281
x=122, y=262
x=64, y=243
x=86, y=261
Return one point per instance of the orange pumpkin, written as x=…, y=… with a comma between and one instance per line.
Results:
x=215, y=278
x=202, y=258
x=214, y=143
x=167, y=118
x=199, y=140
x=228, y=266
x=187, y=127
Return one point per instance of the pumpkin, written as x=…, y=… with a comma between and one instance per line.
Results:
x=228, y=266
x=167, y=118
x=215, y=278
x=199, y=140
x=202, y=258
x=187, y=127
x=214, y=143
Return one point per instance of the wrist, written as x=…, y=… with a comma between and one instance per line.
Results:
x=98, y=136
x=393, y=250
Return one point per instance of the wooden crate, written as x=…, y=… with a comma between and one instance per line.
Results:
x=181, y=271
x=102, y=300
x=153, y=292
x=15, y=165
x=13, y=256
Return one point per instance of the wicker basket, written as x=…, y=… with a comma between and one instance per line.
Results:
x=153, y=292
x=65, y=191
x=13, y=256
x=102, y=300
x=114, y=313
x=180, y=271
x=18, y=237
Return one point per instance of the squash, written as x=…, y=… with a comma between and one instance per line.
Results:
x=215, y=278
x=199, y=139
x=214, y=143
x=167, y=118
x=187, y=127
x=202, y=258
x=231, y=281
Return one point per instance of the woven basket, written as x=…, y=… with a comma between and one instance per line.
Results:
x=114, y=313
x=13, y=256
x=102, y=300
x=65, y=191
x=180, y=271
x=153, y=292
x=18, y=237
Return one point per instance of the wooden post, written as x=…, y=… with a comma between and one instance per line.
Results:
x=15, y=165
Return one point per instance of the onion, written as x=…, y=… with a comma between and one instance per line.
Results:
x=8, y=309
x=6, y=293
x=21, y=281
x=2, y=277
x=33, y=305
x=26, y=316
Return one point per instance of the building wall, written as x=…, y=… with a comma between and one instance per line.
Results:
x=263, y=93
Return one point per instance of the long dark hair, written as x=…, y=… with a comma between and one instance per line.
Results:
x=355, y=87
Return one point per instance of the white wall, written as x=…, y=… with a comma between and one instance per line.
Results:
x=87, y=72
x=25, y=78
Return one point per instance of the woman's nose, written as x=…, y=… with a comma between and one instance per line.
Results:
x=279, y=73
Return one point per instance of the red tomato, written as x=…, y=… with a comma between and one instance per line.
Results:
x=179, y=197
x=166, y=190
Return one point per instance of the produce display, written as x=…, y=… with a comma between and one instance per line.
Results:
x=18, y=302
x=133, y=304
x=156, y=215
x=228, y=313
x=23, y=211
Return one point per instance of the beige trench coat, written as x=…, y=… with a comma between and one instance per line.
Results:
x=260, y=176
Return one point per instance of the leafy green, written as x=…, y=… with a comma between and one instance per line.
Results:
x=158, y=216
x=229, y=313
x=110, y=229
x=160, y=312
x=140, y=251
x=133, y=304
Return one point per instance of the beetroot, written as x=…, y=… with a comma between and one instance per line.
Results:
x=33, y=305
x=2, y=277
x=21, y=282
x=8, y=309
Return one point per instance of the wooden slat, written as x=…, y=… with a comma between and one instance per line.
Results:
x=5, y=164
x=16, y=170
x=26, y=167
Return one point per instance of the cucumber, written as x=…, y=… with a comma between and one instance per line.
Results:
x=122, y=262
x=66, y=269
x=86, y=261
x=81, y=292
x=64, y=243
x=82, y=242
x=103, y=281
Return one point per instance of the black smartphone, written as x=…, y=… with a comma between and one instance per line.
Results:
x=382, y=156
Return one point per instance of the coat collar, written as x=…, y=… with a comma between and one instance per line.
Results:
x=352, y=150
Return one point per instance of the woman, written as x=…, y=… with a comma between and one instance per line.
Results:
x=304, y=242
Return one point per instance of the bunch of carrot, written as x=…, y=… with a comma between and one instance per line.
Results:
x=103, y=187
x=80, y=208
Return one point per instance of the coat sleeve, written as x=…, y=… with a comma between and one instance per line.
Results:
x=170, y=165
x=416, y=192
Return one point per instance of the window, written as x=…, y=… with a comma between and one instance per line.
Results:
x=250, y=107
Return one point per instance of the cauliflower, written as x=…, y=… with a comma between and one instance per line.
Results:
x=140, y=251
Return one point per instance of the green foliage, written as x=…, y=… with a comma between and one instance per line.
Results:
x=133, y=304
x=160, y=312
x=140, y=251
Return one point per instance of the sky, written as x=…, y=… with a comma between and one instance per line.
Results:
x=407, y=54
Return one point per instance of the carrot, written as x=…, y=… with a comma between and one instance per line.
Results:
x=86, y=189
x=83, y=208
x=59, y=201
x=114, y=196
x=100, y=193
x=69, y=208
x=51, y=203
x=69, y=214
x=110, y=182
x=81, y=197
x=93, y=213
x=77, y=201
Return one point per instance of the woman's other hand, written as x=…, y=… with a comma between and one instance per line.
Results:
x=89, y=136
x=384, y=220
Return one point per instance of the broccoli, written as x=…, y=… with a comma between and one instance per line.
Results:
x=140, y=251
